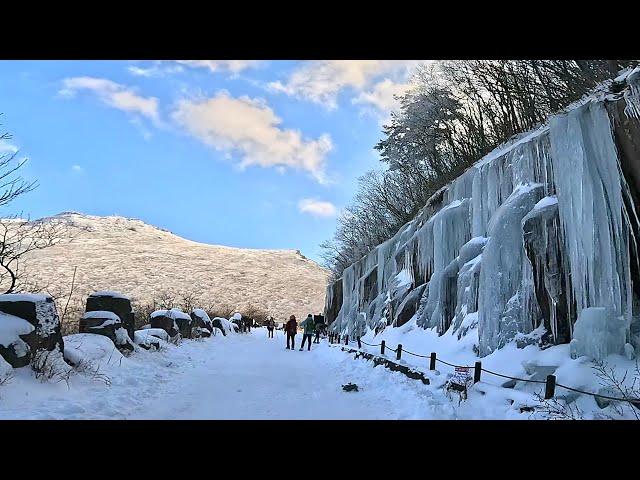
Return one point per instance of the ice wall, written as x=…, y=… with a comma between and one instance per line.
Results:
x=529, y=237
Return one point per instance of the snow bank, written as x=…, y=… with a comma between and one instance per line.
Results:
x=91, y=349
x=12, y=326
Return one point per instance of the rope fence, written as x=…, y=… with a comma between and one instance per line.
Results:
x=550, y=382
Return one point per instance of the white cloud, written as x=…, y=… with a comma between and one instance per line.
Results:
x=7, y=148
x=77, y=169
x=248, y=128
x=233, y=66
x=114, y=95
x=156, y=69
x=321, y=81
x=381, y=95
x=317, y=208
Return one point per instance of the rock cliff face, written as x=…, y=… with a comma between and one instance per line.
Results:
x=534, y=234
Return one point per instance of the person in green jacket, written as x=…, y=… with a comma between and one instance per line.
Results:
x=309, y=326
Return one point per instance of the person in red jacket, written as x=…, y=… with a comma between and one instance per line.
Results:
x=291, y=328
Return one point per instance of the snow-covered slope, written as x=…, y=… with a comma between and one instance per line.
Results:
x=142, y=261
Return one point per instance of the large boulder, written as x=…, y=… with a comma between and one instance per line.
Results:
x=113, y=302
x=165, y=319
x=151, y=338
x=108, y=324
x=184, y=321
x=224, y=325
x=28, y=324
x=201, y=320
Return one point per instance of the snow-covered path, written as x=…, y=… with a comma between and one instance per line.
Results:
x=252, y=377
x=233, y=377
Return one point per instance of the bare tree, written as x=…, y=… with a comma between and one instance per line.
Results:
x=18, y=238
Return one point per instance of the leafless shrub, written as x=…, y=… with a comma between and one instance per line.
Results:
x=611, y=381
x=557, y=408
x=92, y=370
x=49, y=365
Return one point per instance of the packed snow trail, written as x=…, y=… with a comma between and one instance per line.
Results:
x=246, y=377
x=253, y=377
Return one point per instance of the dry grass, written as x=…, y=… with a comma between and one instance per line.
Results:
x=142, y=261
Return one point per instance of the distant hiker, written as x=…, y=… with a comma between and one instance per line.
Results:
x=270, y=326
x=291, y=328
x=309, y=326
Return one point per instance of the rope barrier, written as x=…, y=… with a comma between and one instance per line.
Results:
x=629, y=400
x=415, y=354
x=513, y=378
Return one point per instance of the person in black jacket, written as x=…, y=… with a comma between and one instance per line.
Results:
x=291, y=328
x=270, y=326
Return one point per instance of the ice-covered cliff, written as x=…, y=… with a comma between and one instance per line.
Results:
x=535, y=243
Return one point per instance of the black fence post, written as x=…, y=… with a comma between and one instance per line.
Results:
x=338, y=338
x=432, y=363
x=382, y=347
x=476, y=372
x=550, y=387
x=399, y=351
x=346, y=339
x=359, y=344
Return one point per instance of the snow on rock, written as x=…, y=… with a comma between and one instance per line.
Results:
x=109, y=293
x=108, y=324
x=13, y=349
x=113, y=302
x=40, y=312
x=165, y=320
x=224, y=325
x=202, y=322
x=149, y=338
x=23, y=297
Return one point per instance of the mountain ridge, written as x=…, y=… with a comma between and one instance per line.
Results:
x=145, y=261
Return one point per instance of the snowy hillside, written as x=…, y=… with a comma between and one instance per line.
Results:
x=128, y=255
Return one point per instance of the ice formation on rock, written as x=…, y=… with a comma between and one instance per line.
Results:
x=520, y=246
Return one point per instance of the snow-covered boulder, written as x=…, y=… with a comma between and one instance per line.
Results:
x=201, y=320
x=13, y=347
x=149, y=339
x=113, y=302
x=92, y=351
x=184, y=321
x=28, y=323
x=224, y=325
x=165, y=320
x=106, y=323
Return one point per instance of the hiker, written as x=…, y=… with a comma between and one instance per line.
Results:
x=309, y=326
x=291, y=328
x=270, y=326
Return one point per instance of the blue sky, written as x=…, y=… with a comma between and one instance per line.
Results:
x=256, y=154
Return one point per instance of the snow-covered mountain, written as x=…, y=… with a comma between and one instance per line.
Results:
x=143, y=261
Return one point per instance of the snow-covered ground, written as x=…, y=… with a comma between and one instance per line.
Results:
x=253, y=377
